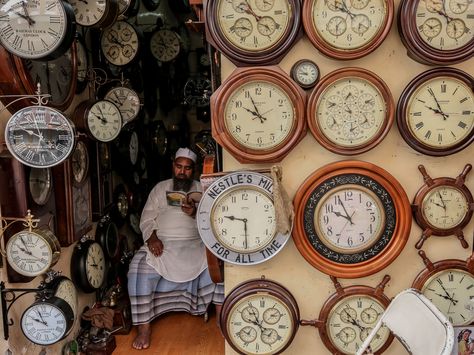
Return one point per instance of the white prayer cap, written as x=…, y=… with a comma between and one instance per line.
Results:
x=185, y=153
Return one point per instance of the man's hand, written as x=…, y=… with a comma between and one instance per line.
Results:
x=155, y=245
x=188, y=207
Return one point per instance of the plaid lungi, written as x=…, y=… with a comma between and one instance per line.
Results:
x=152, y=295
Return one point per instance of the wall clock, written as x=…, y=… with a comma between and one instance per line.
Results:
x=435, y=112
x=437, y=32
x=305, y=72
x=127, y=101
x=165, y=45
x=101, y=177
x=128, y=148
x=107, y=235
x=346, y=29
x=448, y=284
x=88, y=267
x=352, y=219
x=253, y=32
x=82, y=57
x=95, y=14
x=259, y=316
x=64, y=288
x=40, y=185
x=120, y=43
x=33, y=30
x=122, y=204
x=348, y=316
x=236, y=219
x=350, y=111
x=443, y=206
x=258, y=114
x=197, y=91
x=80, y=163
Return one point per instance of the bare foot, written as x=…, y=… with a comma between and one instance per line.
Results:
x=142, y=340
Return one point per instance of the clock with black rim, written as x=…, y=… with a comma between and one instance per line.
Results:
x=253, y=32
x=96, y=14
x=350, y=111
x=437, y=32
x=448, y=284
x=88, y=266
x=443, y=206
x=258, y=114
x=348, y=316
x=259, y=316
x=346, y=29
x=306, y=73
x=107, y=235
x=352, y=219
x=435, y=112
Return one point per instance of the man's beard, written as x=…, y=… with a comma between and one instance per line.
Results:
x=182, y=184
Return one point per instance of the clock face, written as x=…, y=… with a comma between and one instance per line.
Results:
x=80, y=162
x=95, y=265
x=82, y=65
x=259, y=115
x=33, y=30
x=67, y=291
x=306, y=73
x=133, y=148
x=445, y=24
x=243, y=219
x=445, y=207
x=44, y=323
x=352, y=319
x=451, y=292
x=82, y=209
x=126, y=100
x=165, y=45
x=120, y=43
x=89, y=13
x=40, y=185
x=104, y=120
x=39, y=136
x=260, y=324
x=349, y=219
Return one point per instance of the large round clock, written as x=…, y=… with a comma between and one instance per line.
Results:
x=258, y=114
x=253, y=32
x=348, y=316
x=347, y=29
x=437, y=32
x=352, y=219
x=259, y=317
x=236, y=219
x=435, y=112
x=350, y=111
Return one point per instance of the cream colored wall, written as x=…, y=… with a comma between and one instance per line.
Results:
x=309, y=286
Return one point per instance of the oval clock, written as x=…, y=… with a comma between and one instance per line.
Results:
x=352, y=219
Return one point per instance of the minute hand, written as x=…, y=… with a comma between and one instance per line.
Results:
x=345, y=211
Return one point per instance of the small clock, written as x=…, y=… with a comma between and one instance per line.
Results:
x=253, y=33
x=165, y=45
x=259, y=316
x=39, y=136
x=352, y=219
x=258, y=114
x=345, y=29
x=32, y=31
x=32, y=253
x=40, y=183
x=88, y=267
x=305, y=72
x=448, y=284
x=437, y=32
x=120, y=43
x=236, y=219
x=443, y=206
x=80, y=163
x=350, y=111
x=107, y=235
x=348, y=316
x=435, y=112
x=197, y=91
x=127, y=100
x=95, y=14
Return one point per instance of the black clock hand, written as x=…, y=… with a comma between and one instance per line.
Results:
x=442, y=201
x=447, y=293
x=437, y=104
x=345, y=211
x=248, y=9
x=41, y=316
x=235, y=218
x=343, y=8
x=37, y=320
x=254, y=106
x=28, y=17
x=245, y=233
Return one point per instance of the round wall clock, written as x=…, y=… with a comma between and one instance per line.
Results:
x=352, y=219
x=65, y=289
x=236, y=219
x=40, y=184
x=82, y=64
x=39, y=136
x=80, y=163
x=348, y=316
x=253, y=32
x=435, y=112
x=107, y=235
x=33, y=30
x=443, y=206
x=258, y=114
x=259, y=317
x=343, y=29
x=165, y=45
x=305, y=72
x=448, y=284
x=437, y=32
x=197, y=91
x=120, y=43
x=127, y=100
x=88, y=268
x=96, y=14
x=350, y=111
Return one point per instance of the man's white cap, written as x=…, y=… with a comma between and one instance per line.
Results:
x=185, y=153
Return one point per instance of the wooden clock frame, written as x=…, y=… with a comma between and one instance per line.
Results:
x=239, y=77
x=324, y=84
x=341, y=54
x=429, y=185
x=388, y=246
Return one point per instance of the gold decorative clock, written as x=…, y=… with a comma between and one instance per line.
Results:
x=258, y=114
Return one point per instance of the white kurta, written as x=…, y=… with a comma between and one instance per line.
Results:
x=184, y=253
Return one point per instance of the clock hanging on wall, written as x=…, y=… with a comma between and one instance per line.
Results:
x=352, y=219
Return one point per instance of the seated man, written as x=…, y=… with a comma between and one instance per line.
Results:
x=169, y=272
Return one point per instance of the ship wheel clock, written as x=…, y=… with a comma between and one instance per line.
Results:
x=443, y=206
x=448, y=284
x=259, y=317
x=348, y=316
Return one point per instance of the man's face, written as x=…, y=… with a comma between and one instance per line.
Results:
x=183, y=169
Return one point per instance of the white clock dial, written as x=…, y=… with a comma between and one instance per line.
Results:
x=89, y=13
x=95, y=265
x=165, y=45
x=104, y=120
x=445, y=207
x=67, y=291
x=44, y=323
x=127, y=101
x=307, y=73
x=120, y=43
